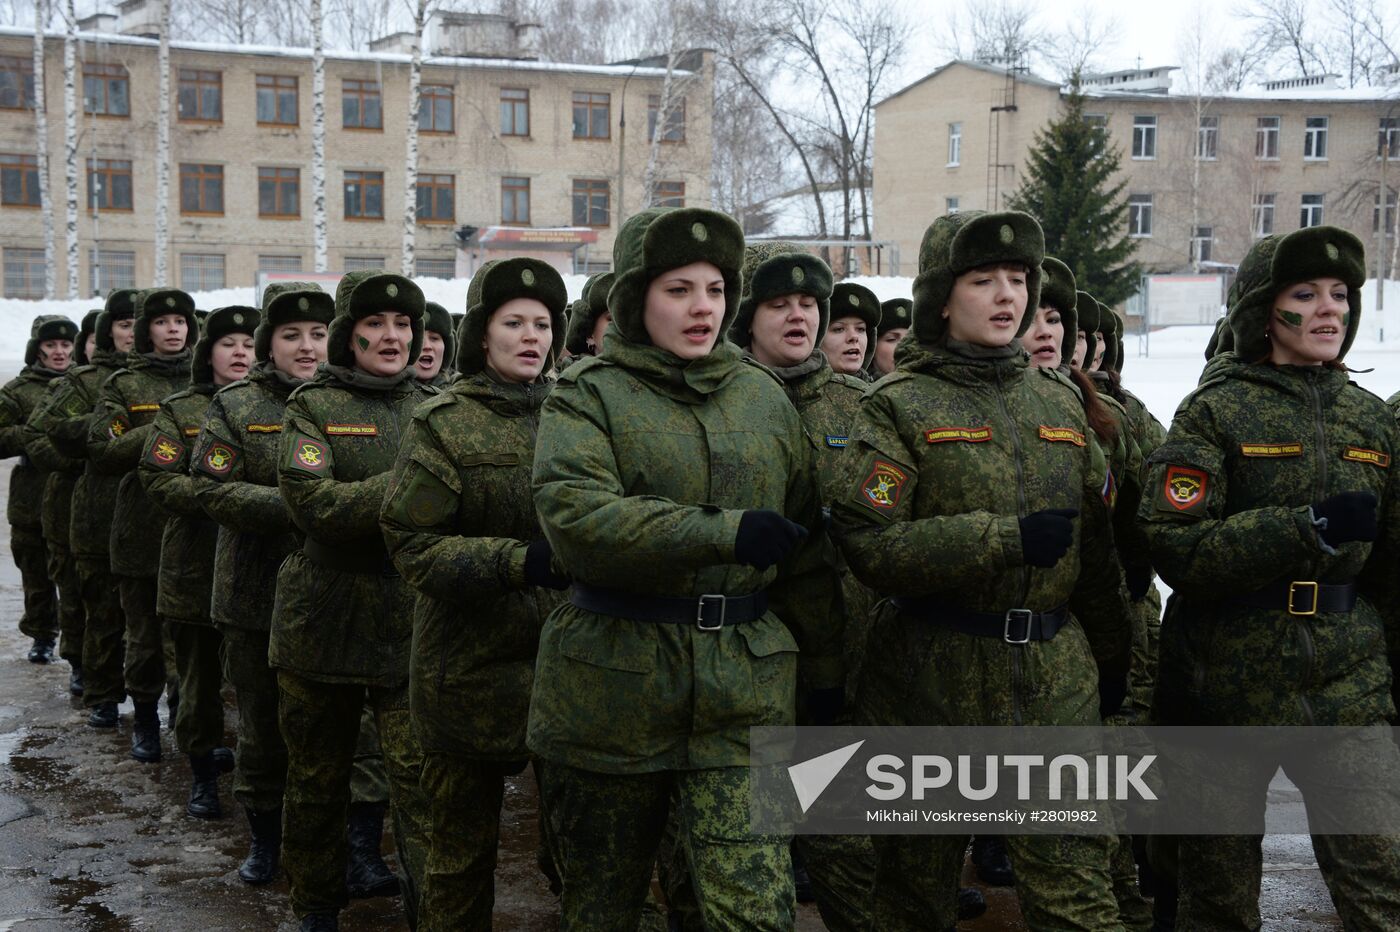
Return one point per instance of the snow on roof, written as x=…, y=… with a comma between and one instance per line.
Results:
x=499, y=64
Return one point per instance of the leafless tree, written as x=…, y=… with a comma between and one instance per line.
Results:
x=1000, y=32
x=162, y=239
x=41, y=131
x=422, y=9
x=1078, y=47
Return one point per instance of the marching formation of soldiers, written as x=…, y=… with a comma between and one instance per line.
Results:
x=426, y=551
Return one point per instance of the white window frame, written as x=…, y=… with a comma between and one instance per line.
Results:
x=1315, y=139
x=1266, y=138
x=954, y=145
x=1144, y=137
x=1208, y=239
x=1311, y=211
x=951, y=205
x=1140, y=216
x=1262, y=210
x=1212, y=133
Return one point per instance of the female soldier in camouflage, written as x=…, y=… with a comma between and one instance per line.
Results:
x=849, y=341
x=1273, y=512
x=222, y=356
x=973, y=497
x=672, y=479
x=896, y=317
x=461, y=526
x=434, y=362
x=343, y=617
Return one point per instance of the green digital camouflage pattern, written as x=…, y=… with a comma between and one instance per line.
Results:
x=56, y=511
x=642, y=472
x=234, y=465
x=1227, y=510
x=368, y=782
x=608, y=828
x=260, y=773
x=465, y=794
x=340, y=437
x=199, y=721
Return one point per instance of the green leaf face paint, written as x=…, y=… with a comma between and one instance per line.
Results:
x=364, y=344
x=1290, y=319
x=1346, y=320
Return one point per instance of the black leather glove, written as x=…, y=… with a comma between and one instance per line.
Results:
x=539, y=566
x=1046, y=536
x=1349, y=515
x=1139, y=580
x=1112, y=691
x=765, y=538
x=825, y=705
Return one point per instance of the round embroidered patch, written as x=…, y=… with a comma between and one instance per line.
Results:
x=798, y=275
x=527, y=277
x=1333, y=252
x=237, y=318
x=391, y=290
x=1006, y=233
x=855, y=301
x=699, y=231
x=169, y=302
x=303, y=304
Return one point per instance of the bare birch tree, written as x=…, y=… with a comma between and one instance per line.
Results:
x=70, y=141
x=162, y=244
x=318, y=137
x=41, y=131
x=420, y=9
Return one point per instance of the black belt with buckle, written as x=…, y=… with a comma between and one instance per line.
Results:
x=706, y=612
x=367, y=557
x=1302, y=597
x=1014, y=626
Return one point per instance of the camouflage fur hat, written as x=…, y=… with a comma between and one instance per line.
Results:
x=1111, y=326
x=1274, y=263
x=221, y=321
x=48, y=327
x=774, y=269
x=440, y=322
x=120, y=305
x=161, y=302
x=505, y=281
x=955, y=243
x=1222, y=339
x=851, y=300
x=473, y=296
x=895, y=314
x=1086, y=311
x=587, y=310
x=367, y=293
x=1057, y=290
x=660, y=239
x=290, y=303
x=85, y=330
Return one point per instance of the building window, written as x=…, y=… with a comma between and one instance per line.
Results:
x=364, y=196
x=19, y=180
x=108, y=270
x=515, y=111
x=24, y=273
x=1201, y=244
x=360, y=105
x=669, y=194
x=437, y=198
x=1315, y=138
x=1311, y=213
x=1389, y=214
x=675, y=119
x=1266, y=137
x=1139, y=215
x=362, y=263
x=1388, y=138
x=591, y=202
x=106, y=90
x=200, y=98
x=279, y=263
x=950, y=205
x=277, y=99
x=1263, y=220
x=1144, y=137
x=592, y=116
x=201, y=271
x=515, y=201
x=435, y=268
x=201, y=189
x=954, y=144
x=279, y=192
x=109, y=184
x=16, y=93
x=1208, y=138
x=435, y=108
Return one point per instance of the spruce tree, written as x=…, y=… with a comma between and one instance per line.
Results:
x=1069, y=188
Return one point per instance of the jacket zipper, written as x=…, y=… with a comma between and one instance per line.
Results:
x=1020, y=513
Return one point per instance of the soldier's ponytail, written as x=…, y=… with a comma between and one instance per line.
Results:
x=1095, y=411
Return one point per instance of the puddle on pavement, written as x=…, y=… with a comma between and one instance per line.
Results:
x=78, y=897
x=31, y=770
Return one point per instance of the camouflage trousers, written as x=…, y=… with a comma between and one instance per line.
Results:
x=260, y=774
x=144, y=668
x=1063, y=881
x=321, y=727
x=63, y=570
x=368, y=782
x=103, y=646
x=40, y=618
x=607, y=829
x=199, y=723
x=1134, y=909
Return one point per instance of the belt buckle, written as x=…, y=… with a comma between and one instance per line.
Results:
x=1022, y=614
x=1304, y=586
x=700, y=611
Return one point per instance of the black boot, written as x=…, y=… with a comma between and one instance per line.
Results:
x=320, y=922
x=103, y=715
x=366, y=874
x=223, y=759
x=204, y=791
x=993, y=866
x=971, y=903
x=145, y=733
x=41, y=651
x=801, y=880
x=264, y=850
x=75, y=679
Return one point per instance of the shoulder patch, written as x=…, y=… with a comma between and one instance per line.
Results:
x=164, y=451
x=1362, y=455
x=1184, y=490
x=117, y=426
x=1271, y=450
x=264, y=428
x=309, y=455
x=352, y=430
x=1110, y=488
x=958, y=434
x=219, y=458
x=143, y=407
x=1061, y=435
x=882, y=486
x=839, y=443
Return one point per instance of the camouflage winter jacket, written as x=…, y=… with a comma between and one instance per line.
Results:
x=1228, y=512
x=342, y=614
x=643, y=470
x=234, y=465
x=118, y=432
x=187, y=548
x=946, y=456
x=62, y=471
x=18, y=400
x=457, y=521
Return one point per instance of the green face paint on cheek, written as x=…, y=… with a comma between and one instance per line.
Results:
x=1290, y=319
x=364, y=344
x=1346, y=320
